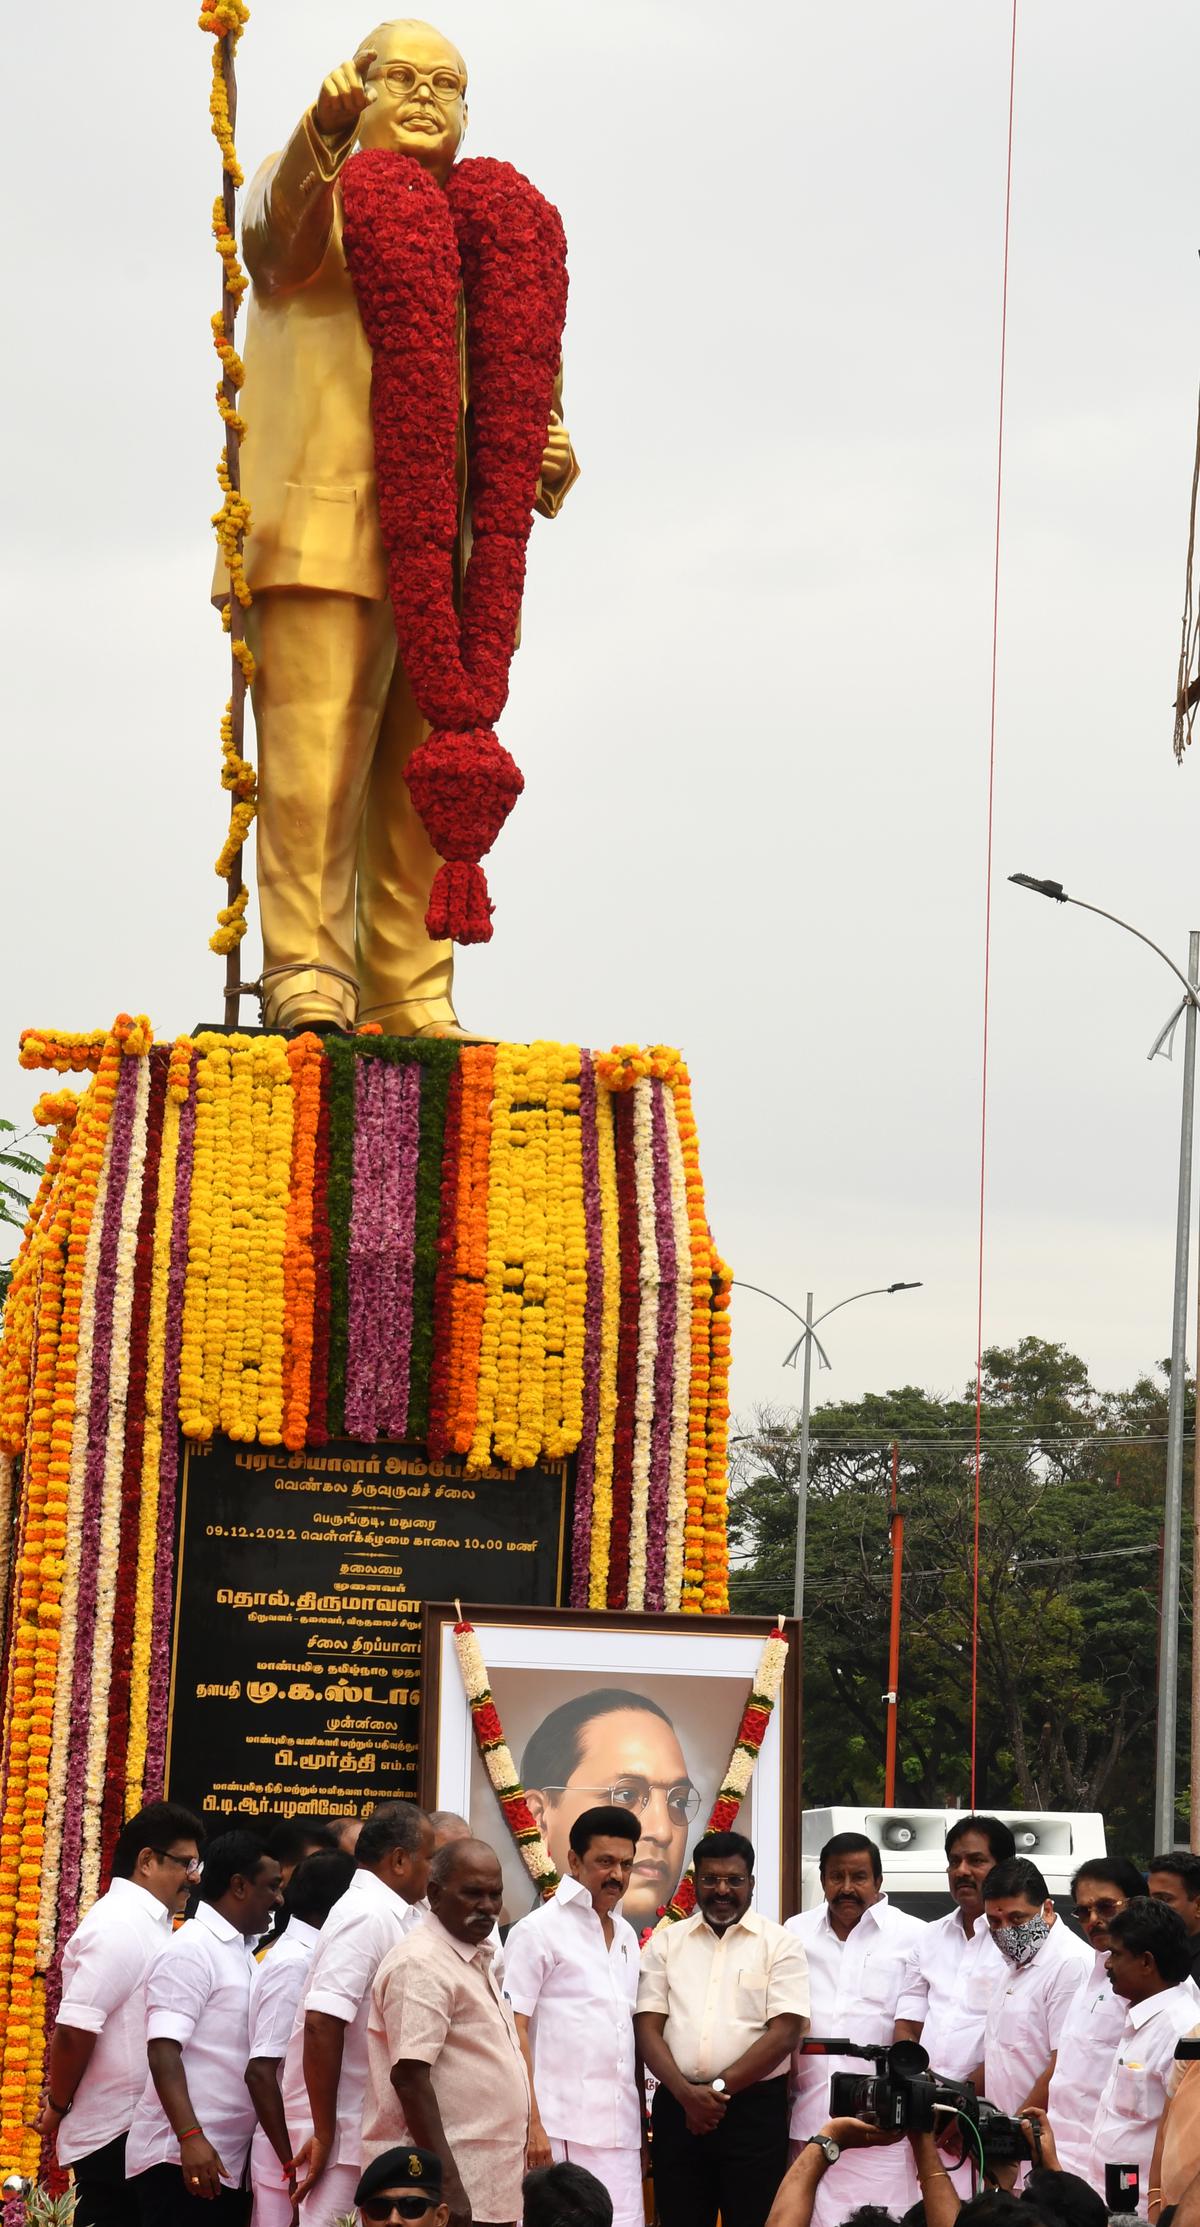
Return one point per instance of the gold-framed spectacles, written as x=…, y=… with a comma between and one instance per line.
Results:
x=403, y=78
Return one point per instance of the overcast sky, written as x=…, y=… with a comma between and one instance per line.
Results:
x=751, y=701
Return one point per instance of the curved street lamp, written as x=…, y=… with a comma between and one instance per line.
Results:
x=1168, y=1653
x=806, y=1341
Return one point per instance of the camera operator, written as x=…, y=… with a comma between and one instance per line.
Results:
x=1095, y=2015
x=797, y=2196
x=1047, y=1962
x=1149, y=1965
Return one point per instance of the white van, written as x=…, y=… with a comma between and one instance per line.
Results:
x=912, y=1844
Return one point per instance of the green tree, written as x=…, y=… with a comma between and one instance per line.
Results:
x=1070, y=1514
x=20, y=1172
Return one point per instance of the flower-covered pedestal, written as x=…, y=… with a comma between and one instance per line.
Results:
x=500, y=1252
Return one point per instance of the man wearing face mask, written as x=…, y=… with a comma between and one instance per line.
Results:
x=858, y=1947
x=1047, y=1963
x=1095, y=2015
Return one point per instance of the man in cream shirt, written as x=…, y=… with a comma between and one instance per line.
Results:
x=571, y=1977
x=722, y=2001
x=858, y=1947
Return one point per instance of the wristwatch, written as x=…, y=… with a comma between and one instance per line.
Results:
x=717, y=2086
x=830, y=2150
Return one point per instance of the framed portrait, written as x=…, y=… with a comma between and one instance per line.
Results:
x=604, y=1706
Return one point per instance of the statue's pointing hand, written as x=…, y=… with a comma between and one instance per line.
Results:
x=344, y=95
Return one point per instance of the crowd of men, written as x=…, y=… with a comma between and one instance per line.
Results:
x=337, y=2032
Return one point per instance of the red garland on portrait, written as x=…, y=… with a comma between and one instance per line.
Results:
x=411, y=246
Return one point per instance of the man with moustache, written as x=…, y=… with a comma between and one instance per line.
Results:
x=954, y=1965
x=96, y=2067
x=1148, y=1966
x=446, y=2069
x=571, y=1976
x=1046, y=1963
x=1095, y=2016
x=619, y=1748
x=722, y=2001
x=859, y=1948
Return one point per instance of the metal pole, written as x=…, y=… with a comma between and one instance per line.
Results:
x=802, y=1493
x=1195, y=1783
x=891, y=1697
x=1168, y=1654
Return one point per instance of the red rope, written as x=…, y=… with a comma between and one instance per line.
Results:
x=987, y=918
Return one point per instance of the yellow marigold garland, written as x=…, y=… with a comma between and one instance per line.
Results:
x=496, y=1389
x=225, y=20
x=602, y=1498
x=152, y=1441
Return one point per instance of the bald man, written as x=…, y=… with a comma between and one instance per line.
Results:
x=446, y=2069
x=344, y=864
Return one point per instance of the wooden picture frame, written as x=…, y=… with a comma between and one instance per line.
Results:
x=692, y=1676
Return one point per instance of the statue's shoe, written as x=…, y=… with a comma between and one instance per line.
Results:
x=450, y=1032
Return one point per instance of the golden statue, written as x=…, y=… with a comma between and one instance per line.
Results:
x=344, y=864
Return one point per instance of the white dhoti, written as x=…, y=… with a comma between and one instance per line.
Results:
x=619, y=2171
x=332, y=2197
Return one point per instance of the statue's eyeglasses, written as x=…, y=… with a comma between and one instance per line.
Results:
x=683, y=1799
x=401, y=78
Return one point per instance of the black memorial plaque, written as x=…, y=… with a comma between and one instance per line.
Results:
x=295, y=1680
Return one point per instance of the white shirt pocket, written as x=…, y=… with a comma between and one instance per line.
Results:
x=980, y=1988
x=881, y=1981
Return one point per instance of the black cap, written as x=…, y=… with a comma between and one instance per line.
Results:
x=402, y=2168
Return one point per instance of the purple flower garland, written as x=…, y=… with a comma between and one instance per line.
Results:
x=168, y=1474
x=123, y=1115
x=664, y=1359
x=585, y=1466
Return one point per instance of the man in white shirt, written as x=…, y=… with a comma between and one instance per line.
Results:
x=96, y=2068
x=187, y=2147
x=325, y=2069
x=1149, y=1965
x=571, y=1975
x=1046, y=1964
x=954, y=1964
x=1095, y=2015
x=318, y=1881
x=858, y=1947
x=722, y=2001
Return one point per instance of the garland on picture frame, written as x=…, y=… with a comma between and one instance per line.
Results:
x=498, y=1763
x=735, y=1785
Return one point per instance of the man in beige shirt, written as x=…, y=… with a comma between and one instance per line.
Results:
x=722, y=2001
x=445, y=2064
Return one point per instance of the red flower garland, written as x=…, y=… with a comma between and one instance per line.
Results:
x=409, y=244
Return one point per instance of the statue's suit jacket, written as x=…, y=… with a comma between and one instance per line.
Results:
x=308, y=466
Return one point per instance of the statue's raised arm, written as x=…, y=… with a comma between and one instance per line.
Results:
x=386, y=308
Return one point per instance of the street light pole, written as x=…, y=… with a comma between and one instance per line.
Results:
x=1168, y=1652
x=805, y=1439
x=807, y=1340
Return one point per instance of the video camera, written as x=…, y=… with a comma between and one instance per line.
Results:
x=903, y=2097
